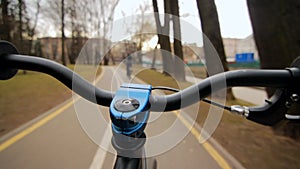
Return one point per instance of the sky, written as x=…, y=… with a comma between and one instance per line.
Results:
x=233, y=14
x=234, y=18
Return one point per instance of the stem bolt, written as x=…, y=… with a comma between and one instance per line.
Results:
x=288, y=104
x=295, y=97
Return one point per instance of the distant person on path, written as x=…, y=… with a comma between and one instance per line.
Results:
x=128, y=65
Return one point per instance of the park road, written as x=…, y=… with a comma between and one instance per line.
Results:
x=56, y=140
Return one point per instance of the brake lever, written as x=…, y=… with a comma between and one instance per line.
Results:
x=272, y=112
x=269, y=114
x=279, y=107
x=282, y=105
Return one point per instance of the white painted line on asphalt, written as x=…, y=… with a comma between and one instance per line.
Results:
x=100, y=155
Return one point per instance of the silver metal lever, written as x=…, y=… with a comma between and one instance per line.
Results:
x=292, y=117
x=240, y=110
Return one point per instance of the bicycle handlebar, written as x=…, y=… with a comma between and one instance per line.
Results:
x=69, y=78
x=263, y=78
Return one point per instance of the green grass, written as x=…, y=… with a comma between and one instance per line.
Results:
x=200, y=71
x=254, y=145
x=26, y=96
x=158, y=79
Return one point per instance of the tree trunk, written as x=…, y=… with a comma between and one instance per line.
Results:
x=5, y=34
x=276, y=30
x=163, y=36
x=73, y=49
x=107, y=8
x=63, y=32
x=32, y=31
x=20, y=42
x=20, y=23
x=178, y=59
x=211, y=29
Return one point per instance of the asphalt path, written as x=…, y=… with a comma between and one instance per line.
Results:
x=57, y=140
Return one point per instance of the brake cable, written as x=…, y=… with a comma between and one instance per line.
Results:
x=205, y=100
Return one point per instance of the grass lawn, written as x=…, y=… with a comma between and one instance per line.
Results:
x=26, y=96
x=254, y=145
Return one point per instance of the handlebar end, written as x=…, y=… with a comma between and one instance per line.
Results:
x=6, y=48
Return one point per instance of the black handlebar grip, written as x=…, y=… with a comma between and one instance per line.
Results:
x=5, y=71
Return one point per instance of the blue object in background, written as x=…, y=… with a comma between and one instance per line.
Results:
x=244, y=57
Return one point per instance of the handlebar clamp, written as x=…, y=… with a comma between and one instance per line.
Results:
x=129, y=110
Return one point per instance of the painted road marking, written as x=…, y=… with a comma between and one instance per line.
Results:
x=40, y=123
x=100, y=155
x=32, y=128
x=208, y=147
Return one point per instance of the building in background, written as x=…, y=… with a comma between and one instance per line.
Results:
x=230, y=47
x=247, y=45
x=51, y=49
x=235, y=46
